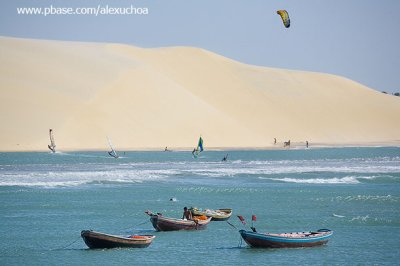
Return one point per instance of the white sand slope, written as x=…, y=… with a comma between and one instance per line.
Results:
x=152, y=98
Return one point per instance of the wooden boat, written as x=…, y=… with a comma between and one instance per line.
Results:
x=161, y=223
x=286, y=240
x=100, y=240
x=216, y=215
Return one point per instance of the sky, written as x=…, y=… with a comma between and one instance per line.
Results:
x=357, y=39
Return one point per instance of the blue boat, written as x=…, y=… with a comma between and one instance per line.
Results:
x=286, y=240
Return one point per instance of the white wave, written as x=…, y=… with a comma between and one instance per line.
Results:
x=50, y=184
x=371, y=220
x=357, y=165
x=360, y=218
x=339, y=216
x=75, y=178
x=343, y=180
x=88, y=155
x=356, y=170
x=383, y=198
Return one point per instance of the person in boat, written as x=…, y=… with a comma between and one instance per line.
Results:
x=187, y=215
x=225, y=158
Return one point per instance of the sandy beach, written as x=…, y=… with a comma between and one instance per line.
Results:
x=152, y=98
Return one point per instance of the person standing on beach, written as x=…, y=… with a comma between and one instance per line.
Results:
x=306, y=143
x=274, y=141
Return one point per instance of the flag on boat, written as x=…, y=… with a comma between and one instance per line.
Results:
x=242, y=219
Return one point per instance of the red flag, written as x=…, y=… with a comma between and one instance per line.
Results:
x=253, y=218
x=242, y=219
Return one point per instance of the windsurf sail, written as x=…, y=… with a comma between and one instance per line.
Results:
x=112, y=153
x=199, y=148
x=200, y=145
x=52, y=145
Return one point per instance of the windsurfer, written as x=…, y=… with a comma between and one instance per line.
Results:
x=52, y=145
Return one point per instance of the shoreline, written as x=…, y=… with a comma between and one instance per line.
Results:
x=277, y=147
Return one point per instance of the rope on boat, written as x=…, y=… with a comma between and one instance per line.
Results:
x=240, y=237
x=232, y=225
x=142, y=223
x=240, y=242
x=64, y=247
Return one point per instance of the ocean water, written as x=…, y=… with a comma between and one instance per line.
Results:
x=47, y=199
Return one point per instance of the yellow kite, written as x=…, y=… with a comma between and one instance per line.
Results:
x=285, y=17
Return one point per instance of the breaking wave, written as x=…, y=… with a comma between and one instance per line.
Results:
x=343, y=180
x=334, y=180
x=95, y=169
x=76, y=178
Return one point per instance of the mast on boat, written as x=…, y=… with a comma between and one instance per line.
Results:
x=52, y=145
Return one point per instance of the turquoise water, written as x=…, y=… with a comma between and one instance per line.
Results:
x=47, y=199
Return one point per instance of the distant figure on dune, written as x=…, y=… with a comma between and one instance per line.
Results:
x=286, y=143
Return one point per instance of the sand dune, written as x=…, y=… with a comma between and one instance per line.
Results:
x=152, y=98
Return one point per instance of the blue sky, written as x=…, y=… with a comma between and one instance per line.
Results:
x=357, y=39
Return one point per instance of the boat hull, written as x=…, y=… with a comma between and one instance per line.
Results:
x=223, y=215
x=100, y=240
x=161, y=223
x=258, y=240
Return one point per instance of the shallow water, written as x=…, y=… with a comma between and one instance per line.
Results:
x=47, y=199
